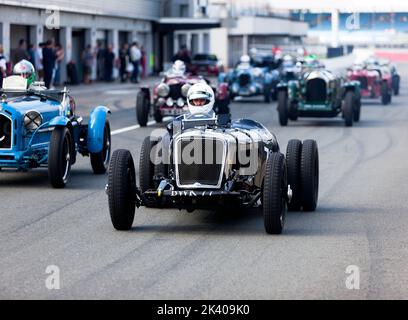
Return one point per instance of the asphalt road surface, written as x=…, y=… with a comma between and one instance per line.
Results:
x=361, y=220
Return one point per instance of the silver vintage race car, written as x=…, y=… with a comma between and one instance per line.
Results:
x=209, y=162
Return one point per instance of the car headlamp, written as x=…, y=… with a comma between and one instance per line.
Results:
x=184, y=89
x=180, y=102
x=170, y=102
x=163, y=90
x=32, y=120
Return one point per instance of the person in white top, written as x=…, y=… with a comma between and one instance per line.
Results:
x=135, y=56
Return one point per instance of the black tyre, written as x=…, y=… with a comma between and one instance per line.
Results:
x=385, y=94
x=283, y=108
x=59, y=157
x=274, y=194
x=158, y=117
x=309, y=175
x=357, y=110
x=142, y=108
x=348, y=108
x=146, y=166
x=293, y=162
x=122, y=190
x=396, y=85
x=100, y=160
x=267, y=94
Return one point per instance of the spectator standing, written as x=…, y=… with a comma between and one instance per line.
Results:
x=38, y=57
x=3, y=66
x=123, y=62
x=49, y=58
x=88, y=61
x=135, y=56
x=184, y=55
x=20, y=53
x=143, y=62
x=60, y=54
x=100, y=61
x=109, y=61
x=31, y=53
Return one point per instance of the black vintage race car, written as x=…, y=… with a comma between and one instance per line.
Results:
x=205, y=162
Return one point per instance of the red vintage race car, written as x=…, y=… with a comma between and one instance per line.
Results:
x=168, y=98
x=375, y=82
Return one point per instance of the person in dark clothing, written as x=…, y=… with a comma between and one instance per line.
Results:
x=21, y=52
x=123, y=60
x=3, y=66
x=109, y=60
x=183, y=55
x=49, y=58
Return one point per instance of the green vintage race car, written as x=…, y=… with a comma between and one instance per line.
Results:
x=319, y=93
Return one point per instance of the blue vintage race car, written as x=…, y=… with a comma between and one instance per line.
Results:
x=39, y=128
x=247, y=80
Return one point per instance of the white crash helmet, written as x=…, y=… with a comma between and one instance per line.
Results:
x=245, y=59
x=200, y=99
x=179, y=68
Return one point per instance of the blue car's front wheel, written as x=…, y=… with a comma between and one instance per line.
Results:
x=100, y=160
x=59, y=157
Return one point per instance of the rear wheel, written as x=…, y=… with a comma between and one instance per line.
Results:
x=283, y=108
x=348, y=108
x=274, y=194
x=122, y=190
x=59, y=157
x=100, y=160
x=142, y=108
x=293, y=161
x=309, y=175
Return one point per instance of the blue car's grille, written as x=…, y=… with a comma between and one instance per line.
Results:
x=244, y=79
x=5, y=132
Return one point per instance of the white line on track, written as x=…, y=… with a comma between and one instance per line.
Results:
x=137, y=126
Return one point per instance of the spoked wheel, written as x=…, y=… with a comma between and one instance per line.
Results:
x=59, y=157
x=100, y=160
x=122, y=190
x=274, y=194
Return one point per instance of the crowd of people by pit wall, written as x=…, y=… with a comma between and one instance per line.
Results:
x=96, y=63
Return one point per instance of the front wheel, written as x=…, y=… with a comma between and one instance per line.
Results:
x=122, y=190
x=293, y=162
x=357, y=111
x=100, y=160
x=385, y=94
x=309, y=175
x=274, y=194
x=283, y=108
x=348, y=108
x=142, y=108
x=59, y=157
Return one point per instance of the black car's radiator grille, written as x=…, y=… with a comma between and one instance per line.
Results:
x=175, y=91
x=316, y=90
x=363, y=82
x=244, y=79
x=199, y=161
x=5, y=132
